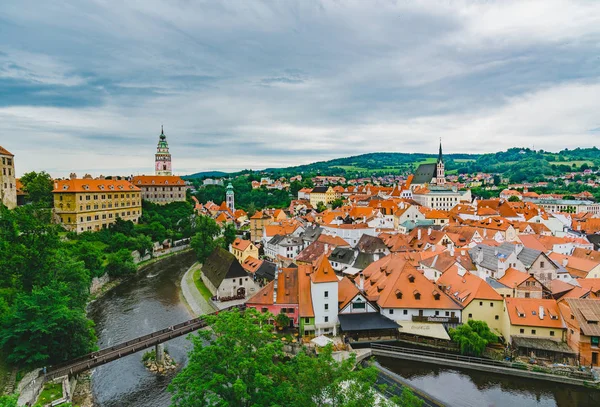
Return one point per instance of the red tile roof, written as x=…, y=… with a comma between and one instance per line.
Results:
x=94, y=185
x=161, y=180
x=529, y=309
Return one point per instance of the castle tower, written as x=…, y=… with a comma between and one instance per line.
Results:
x=440, y=173
x=229, y=198
x=162, y=158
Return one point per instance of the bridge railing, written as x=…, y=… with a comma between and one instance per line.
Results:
x=141, y=342
x=440, y=355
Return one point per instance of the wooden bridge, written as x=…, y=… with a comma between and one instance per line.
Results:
x=103, y=356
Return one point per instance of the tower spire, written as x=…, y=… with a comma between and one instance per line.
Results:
x=440, y=154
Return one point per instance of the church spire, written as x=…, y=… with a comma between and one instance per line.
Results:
x=440, y=154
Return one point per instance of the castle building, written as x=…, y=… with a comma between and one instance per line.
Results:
x=8, y=183
x=229, y=198
x=162, y=158
x=87, y=204
x=161, y=189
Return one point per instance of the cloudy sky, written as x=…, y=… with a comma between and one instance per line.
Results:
x=85, y=86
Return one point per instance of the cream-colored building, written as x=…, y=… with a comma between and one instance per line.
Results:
x=161, y=189
x=8, y=183
x=532, y=317
x=326, y=195
x=242, y=249
x=82, y=205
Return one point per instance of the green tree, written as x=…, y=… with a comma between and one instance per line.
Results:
x=229, y=235
x=473, y=337
x=336, y=203
x=91, y=255
x=43, y=329
x=238, y=363
x=282, y=320
x=8, y=400
x=514, y=198
x=203, y=242
x=38, y=187
x=120, y=264
x=143, y=244
x=321, y=207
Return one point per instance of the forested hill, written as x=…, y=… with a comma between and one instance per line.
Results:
x=518, y=164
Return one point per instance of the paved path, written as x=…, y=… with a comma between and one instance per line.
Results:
x=197, y=303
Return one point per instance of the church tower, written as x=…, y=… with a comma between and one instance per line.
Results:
x=162, y=158
x=229, y=198
x=440, y=173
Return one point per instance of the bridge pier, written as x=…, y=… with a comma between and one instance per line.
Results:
x=160, y=354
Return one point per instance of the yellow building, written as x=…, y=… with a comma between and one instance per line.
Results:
x=8, y=182
x=481, y=302
x=326, y=195
x=82, y=205
x=242, y=249
x=257, y=224
x=532, y=317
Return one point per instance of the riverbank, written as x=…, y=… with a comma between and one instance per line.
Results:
x=192, y=297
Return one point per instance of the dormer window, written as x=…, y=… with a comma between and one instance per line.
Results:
x=398, y=294
x=166, y=182
x=417, y=295
x=411, y=278
x=436, y=295
x=65, y=186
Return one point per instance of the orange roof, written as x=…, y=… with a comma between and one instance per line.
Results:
x=467, y=287
x=333, y=240
x=241, y=244
x=239, y=213
x=532, y=242
x=586, y=254
x=346, y=292
x=324, y=272
x=575, y=265
x=4, y=151
x=529, y=309
x=396, y=283
x=305, y=306
x=280, y=229
x=436, y=214
x=94, y=185
x=260, y=215
x=513, y=277
x=251, y=264
x=149, y=180
x=287, y=289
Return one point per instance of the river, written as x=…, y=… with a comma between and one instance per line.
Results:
x=146, y=302
x=471, y=388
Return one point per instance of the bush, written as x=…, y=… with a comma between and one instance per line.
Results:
x=519, y=365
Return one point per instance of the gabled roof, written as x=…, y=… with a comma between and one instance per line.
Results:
x=467, y=287
x=342, y=255
x=335, y=241
x=266, y=270
x=305, y=306
x=424, y=173
x=393, y=282
x=160, y=180
x=525, y=312
x=513, y=278
x=287, y=289
x=94, y=185
x=241, y=244
x=4, y=151
x=346, y=292
x=251, y=264
x=576, y=266
x=221, y=265
x=323, y=273
x=587, y=313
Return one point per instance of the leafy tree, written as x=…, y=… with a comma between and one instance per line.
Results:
x=229, y=235
x=239, y=363
x=473, y=337
x=514, y=198
x=143, y=244
x=120, y=264
x=282, y=320
x=43, y=329
x=203, y=241
x=336, y=203
x=91, y=255
x=126, y=227
x=321, y=207
x=38, y=187
x=9, y=400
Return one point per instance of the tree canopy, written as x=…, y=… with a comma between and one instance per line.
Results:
x=239, y=363
x=473, y=337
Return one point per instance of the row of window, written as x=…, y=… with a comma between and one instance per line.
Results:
x=104, y=216
x=9, y=171
x=6, y=161
x=89, y=197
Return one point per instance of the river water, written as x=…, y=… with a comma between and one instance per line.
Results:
x=146, y=302
x=471, y=388
x=151, y=300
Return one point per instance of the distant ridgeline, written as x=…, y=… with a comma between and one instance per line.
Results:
x=517, y=164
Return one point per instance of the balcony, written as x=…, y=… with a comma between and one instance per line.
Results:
x=435, y=318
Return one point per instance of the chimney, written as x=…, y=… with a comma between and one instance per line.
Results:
x=451, y=250
x=73, y=175
x=480, y=256
x=565, y=262
x=361, y=282
x=326, y=248
x=518, y=248
x=428, y=231
x=463, y=252
x=541, y=312
x=419, y=233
